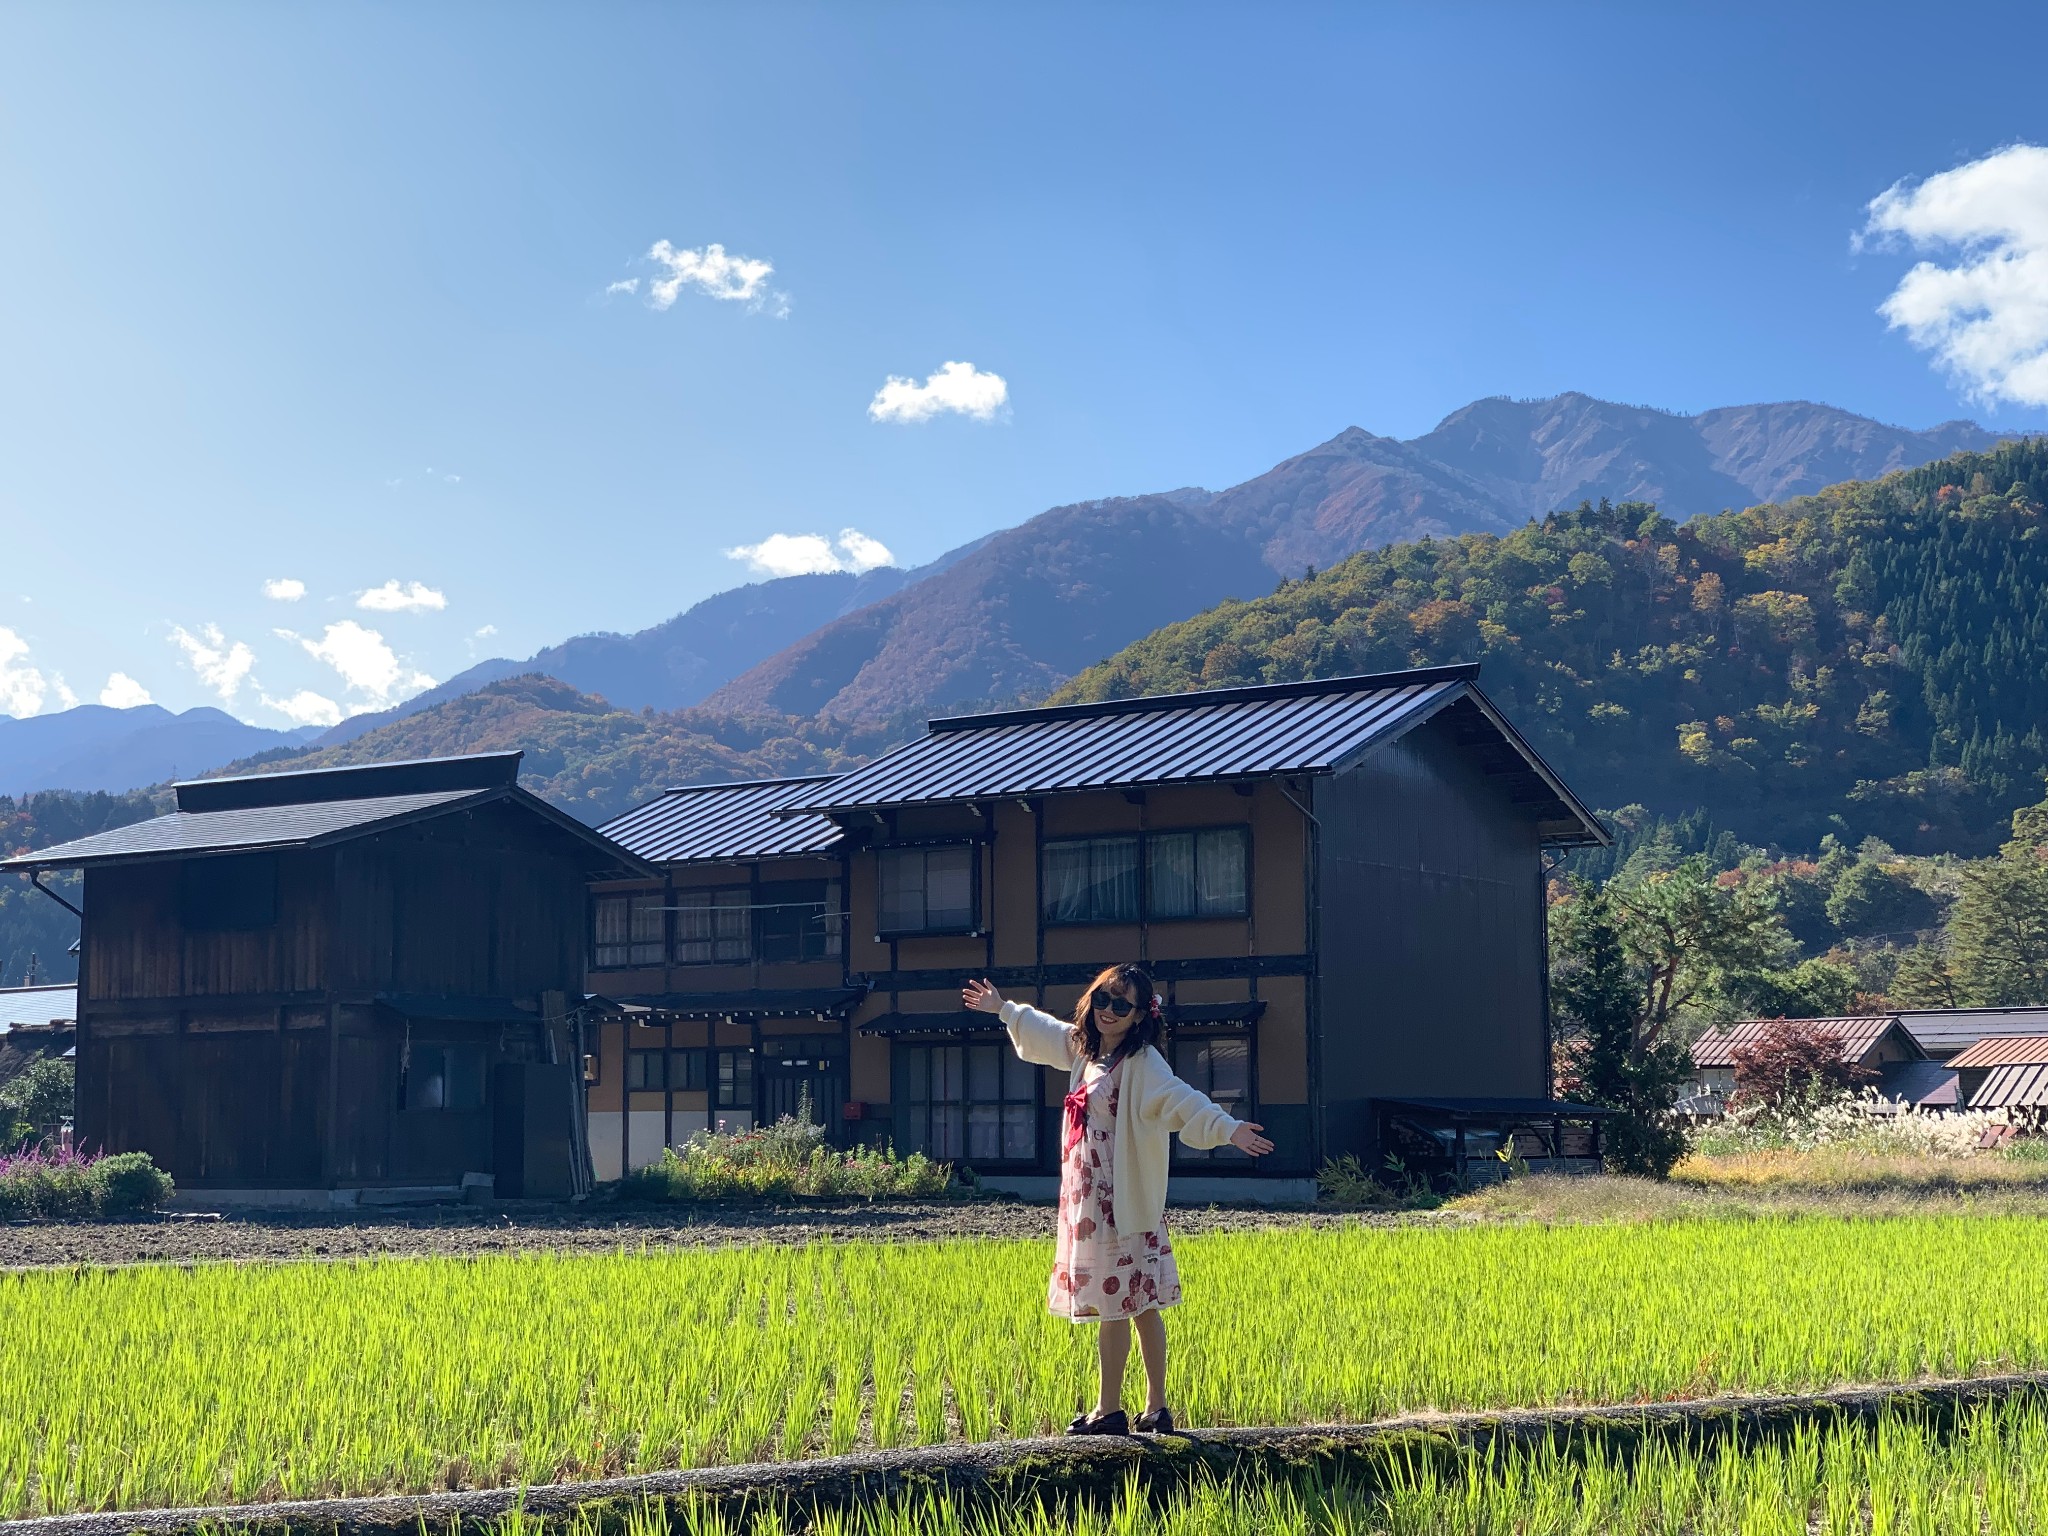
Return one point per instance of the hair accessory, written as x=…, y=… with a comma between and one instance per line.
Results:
x=1158, y=1007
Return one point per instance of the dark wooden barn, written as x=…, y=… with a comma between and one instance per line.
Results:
x=348, y=979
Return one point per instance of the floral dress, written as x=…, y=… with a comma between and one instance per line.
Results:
x=1097, y=1272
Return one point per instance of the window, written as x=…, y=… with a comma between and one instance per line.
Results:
x=712, y=927
x=235, y=891
x=928, y=890
x=643, y=1071
x=449, y=1077
x=628, y=930
x=973, y=1102
x=1187, y=874
x=1091, y=880
x=735, y=1079
x=1221, y=1067
x=799, y=920
x=1196, y=874
x=686, y=1071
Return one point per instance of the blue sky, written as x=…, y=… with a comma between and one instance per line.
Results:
x=319, y=294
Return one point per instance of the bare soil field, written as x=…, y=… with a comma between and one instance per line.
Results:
x=461, y=1231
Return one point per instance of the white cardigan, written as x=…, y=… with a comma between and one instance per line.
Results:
x=1152, y=1104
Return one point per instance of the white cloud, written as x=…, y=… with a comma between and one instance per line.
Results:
x=807, y=554
x=23, y=690
x=1984, y=316
x=123, y=692
x=958, y=387
x=625, y=285
x=284, y=589
x=222, y=665
x=735, y=279
x=365, y=662
x=306, y=708
x=484, y=633
x=413, y=597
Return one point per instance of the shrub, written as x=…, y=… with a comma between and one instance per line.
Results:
x=36, y=1101
x=69, y=1186
x=128, y=1184
x=789, y=1157
x=1792, y=1062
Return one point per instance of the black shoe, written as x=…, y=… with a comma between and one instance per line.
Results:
x=1107, y=1424
x=1158, y=1421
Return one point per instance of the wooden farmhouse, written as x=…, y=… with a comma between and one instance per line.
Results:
x=1338, y=886
x=354, y=979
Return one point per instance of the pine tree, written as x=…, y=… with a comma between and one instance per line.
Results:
x=1598, y=999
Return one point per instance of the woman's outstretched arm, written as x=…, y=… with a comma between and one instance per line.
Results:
x=1038, y=1037
x=1200, y=1121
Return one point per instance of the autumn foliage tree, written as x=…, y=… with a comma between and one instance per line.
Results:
x=1793, y=1061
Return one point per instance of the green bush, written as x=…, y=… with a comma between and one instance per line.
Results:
x=789, y=1157
x=128, y=1184
x=63, y=1186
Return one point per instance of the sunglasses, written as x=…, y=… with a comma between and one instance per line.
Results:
x=1116, y=1005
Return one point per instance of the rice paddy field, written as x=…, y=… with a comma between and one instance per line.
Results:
x=150, y=1386
x=1893, y=1478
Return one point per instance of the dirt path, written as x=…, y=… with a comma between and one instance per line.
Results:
x=462, y=1231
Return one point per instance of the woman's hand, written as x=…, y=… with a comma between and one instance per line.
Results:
x=982, y=997
x=1246, y=1139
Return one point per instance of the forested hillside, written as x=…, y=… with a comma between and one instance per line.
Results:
x=32, y=925
x=593, y=760
x=1870, y=660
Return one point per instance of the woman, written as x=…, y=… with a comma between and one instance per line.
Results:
x=1113, y=1264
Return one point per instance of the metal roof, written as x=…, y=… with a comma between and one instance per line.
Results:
x=791, y=1003
x=1220, y=735
x=1493, y=1109
x=256, y=827
x=711, y=823
x=37, y=1005
x=2018, y=1086
x=1924, y=1084
x=1944, y=1031
x=1857, y=1036
x=2004, y=1051
x=316, y=824
x=356, y=781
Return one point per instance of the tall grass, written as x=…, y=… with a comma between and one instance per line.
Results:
x=150, y=1386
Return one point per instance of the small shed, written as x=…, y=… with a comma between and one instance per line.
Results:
x=2004, y=1072
x=351, y=979
x=1875, y=1042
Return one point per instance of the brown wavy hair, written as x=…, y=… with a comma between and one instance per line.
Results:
x=1148, y=1028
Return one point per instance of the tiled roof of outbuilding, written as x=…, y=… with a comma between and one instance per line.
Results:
x=712, y=822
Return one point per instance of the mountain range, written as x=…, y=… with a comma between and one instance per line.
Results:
x=1016, y=613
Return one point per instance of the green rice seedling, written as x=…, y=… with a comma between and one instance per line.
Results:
x=152, y=1386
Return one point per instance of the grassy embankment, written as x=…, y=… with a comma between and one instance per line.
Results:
x=162, y=1385
x=1898, y=1476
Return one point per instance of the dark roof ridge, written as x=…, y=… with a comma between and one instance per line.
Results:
x=351, y=781
x=1208, y=698
x=395, y=762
